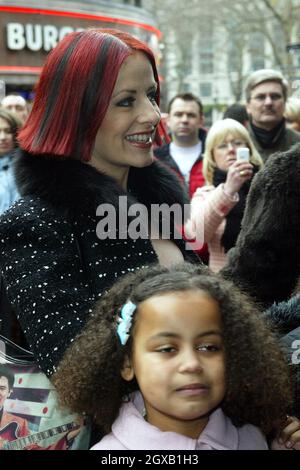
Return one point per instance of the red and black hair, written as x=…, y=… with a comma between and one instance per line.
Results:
x=74, y=91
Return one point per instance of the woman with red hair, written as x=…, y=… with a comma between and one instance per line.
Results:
x=86, y=146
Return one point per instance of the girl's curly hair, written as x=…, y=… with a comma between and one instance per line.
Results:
x=258, y=388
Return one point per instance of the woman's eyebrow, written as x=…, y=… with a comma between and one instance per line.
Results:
x=123, y=91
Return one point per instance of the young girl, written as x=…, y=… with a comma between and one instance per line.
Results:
x=178, y=358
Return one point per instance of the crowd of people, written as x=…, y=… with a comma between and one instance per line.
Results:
x=113, y=299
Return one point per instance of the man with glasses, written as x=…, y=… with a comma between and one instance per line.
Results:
x=266, y=94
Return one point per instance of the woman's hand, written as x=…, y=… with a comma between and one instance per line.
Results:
x=238, y=173
x=289, y=437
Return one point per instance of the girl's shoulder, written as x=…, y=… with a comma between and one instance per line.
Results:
x=251, y=438
x=222, y=434
x=109, y=442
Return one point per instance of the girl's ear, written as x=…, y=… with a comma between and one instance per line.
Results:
x=127, y=371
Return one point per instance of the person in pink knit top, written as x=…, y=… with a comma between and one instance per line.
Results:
x=218, y=207
x=178, y=358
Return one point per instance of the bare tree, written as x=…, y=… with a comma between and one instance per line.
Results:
x=247, y=25
x=180, y=21
x=276, y=20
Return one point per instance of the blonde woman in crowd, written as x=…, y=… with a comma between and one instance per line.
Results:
x=292, y=113
x=218, y=207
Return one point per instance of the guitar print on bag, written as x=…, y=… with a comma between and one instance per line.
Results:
x=9, y=439
x=30, y=417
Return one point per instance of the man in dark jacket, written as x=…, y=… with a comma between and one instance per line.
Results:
x=184, y=153
x=266, y=94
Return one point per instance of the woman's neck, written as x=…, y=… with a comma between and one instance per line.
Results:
x=119, y=174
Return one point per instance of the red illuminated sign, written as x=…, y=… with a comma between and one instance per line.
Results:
x=83, y=16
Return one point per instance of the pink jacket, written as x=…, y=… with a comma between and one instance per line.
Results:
x=131, y=432
x=209, y=208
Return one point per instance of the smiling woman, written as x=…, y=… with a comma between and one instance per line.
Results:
x=87, y=143
x=128, y=129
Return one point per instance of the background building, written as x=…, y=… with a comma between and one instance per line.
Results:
x=211, y=46
x=208, y=46
x=29, y=30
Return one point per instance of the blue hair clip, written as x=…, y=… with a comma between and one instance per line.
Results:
x=125, y=321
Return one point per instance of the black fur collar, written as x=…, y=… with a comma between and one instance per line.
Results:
x=73, y=186
x=285, y=315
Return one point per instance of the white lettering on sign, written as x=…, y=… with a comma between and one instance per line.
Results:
x=50, y=37
x=15, y=37
x=35, y=37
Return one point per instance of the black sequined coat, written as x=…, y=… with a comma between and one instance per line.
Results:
x=53, y=263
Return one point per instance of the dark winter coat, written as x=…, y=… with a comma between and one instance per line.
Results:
x=266, y=259
x=282, y=141
x=54, y=265
x=285, y=319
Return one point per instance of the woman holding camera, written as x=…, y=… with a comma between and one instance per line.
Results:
x=218, y=207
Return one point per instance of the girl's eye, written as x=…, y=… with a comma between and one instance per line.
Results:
x=152, y=97
x=166, y=349
x=208, y=348
x=126, y=102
